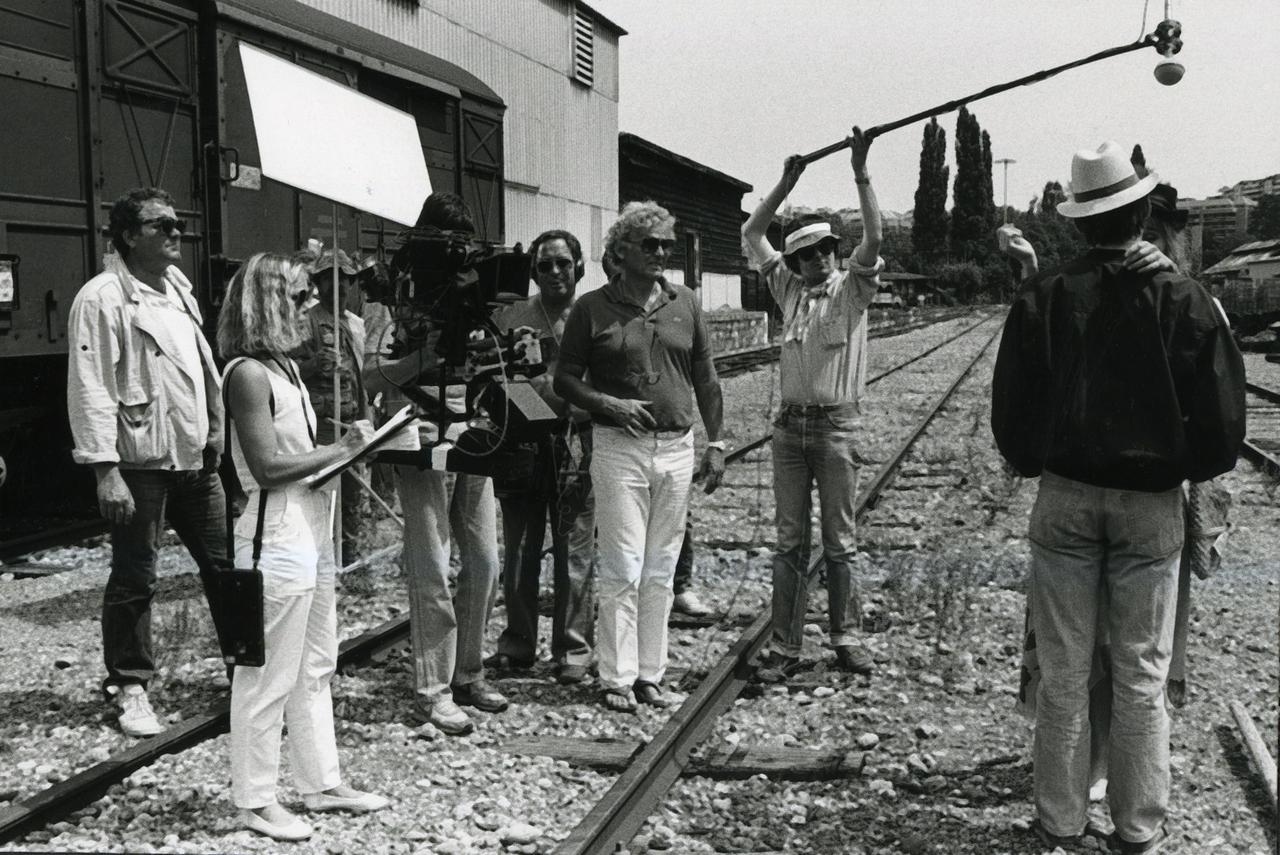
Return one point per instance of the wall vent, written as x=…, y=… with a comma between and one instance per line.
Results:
x=584, y=51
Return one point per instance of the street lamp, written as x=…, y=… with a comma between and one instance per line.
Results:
x=1005, y=207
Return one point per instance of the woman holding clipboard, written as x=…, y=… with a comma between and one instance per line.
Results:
x=286, y=531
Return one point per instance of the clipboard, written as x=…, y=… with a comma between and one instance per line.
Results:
x=401, y=420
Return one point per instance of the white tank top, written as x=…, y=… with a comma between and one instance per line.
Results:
x=293, y=419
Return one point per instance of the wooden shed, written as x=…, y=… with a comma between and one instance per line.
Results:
x=707, y=205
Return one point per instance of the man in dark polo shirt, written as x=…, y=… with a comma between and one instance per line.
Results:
x=644, y=344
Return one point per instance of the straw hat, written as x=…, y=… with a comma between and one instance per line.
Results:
x=1104, y=180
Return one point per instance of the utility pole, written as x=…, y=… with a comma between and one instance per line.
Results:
x=1004, y=209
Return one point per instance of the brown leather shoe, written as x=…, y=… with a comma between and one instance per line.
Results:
x=480, y=695
x=854, y=659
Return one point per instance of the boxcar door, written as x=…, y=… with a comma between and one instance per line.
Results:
x=148, y=111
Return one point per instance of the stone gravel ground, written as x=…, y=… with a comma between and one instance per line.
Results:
x=948, y=771
x=947, y=765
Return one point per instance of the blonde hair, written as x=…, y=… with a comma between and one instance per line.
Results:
x=259, y=314
x=636, y=217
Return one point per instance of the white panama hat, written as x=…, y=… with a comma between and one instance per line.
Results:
x=1104, y=180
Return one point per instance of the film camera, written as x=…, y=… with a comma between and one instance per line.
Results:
x=443, y=289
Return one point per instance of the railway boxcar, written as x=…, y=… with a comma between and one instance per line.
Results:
x=104, y=95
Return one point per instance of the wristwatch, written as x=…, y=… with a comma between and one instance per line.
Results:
x=716, y=443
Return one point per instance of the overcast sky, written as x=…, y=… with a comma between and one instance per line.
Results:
x=740, y=84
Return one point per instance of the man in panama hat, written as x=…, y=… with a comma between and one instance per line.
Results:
x=1114, y=386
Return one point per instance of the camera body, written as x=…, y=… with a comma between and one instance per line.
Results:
x=443, y=289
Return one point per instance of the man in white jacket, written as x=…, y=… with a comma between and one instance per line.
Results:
x=143, y=400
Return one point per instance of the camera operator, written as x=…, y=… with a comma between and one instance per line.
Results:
x=560, y=485
x=447, y=632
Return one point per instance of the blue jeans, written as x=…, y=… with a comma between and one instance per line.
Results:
x=1089, y=541
x=194, y=504
x=814, y=444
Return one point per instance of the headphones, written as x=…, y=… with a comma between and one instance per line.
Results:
x=575, y=249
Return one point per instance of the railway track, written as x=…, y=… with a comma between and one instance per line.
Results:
x=625, y=807
x=14, y=548
x=644, y=781
x=1262, y=446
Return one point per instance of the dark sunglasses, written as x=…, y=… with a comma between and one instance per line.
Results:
x=652, y=244
x=822, y=247
x=549, y=264
x=302, y=297
x=165, y=225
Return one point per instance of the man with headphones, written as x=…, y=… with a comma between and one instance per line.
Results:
x=823, y=368
x=560, y=486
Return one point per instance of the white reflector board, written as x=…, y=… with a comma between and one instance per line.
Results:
x=330, y=140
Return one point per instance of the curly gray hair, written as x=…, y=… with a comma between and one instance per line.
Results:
x=633, y=218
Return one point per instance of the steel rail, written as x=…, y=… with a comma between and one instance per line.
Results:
x=625, y=807
x=63, y=535
x=743, y=450
x=741, y=361
x=56, y=802
x=1266, y=459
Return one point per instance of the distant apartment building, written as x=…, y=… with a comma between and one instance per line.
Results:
x=1254, y=188
x=1221, y=220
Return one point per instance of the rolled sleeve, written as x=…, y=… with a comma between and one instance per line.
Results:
x=863, y=282
x=92, y=396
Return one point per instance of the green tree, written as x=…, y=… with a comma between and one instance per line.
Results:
x=929, y=226
x=988, y=185
x=1264, y=220
x=1052, y=195
x=969, y=210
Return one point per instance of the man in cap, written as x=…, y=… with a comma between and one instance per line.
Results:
x=823, y=374
x=1114, y=386
x=318, y=367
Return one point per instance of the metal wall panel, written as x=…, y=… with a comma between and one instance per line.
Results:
x=559, y=136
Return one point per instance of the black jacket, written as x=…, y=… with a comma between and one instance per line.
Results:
x=1116, y=379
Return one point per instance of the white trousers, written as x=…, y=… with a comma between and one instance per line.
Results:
x=301, y=634
x=642, y=496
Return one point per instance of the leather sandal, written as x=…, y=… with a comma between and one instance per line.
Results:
x=651, y=694
x=619, y=700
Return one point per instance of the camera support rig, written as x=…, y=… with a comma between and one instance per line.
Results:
x=442, y=287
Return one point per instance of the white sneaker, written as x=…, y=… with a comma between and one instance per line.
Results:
x=687, y=603
x=136, y=716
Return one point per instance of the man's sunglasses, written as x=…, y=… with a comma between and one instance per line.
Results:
x=549, y=264
x=652, y=244
x=165, y=225
x=822, y=247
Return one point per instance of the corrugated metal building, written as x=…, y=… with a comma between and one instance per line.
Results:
x=555, y=65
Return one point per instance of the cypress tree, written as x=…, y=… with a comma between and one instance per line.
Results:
x=929, y=226
x=988, y=184
x=968, y=211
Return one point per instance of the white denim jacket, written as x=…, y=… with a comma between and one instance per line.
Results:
x=125, y=374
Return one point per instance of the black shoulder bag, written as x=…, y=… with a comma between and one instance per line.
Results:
x=239, y=589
